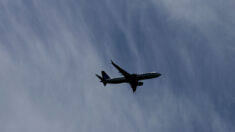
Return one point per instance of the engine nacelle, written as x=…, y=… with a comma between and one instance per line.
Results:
x=140, y=83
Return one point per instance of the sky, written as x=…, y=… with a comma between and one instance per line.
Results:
x=50, y=51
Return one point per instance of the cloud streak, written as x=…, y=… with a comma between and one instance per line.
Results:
x=50, y=50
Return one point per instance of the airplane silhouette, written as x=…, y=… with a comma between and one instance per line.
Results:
x=132, y=79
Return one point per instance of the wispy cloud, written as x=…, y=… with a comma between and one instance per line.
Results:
x=50, y=51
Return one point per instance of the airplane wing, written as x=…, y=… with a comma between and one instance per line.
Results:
x=133, y=86
x=123, y=72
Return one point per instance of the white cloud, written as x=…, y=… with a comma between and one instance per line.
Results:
x=49, y=55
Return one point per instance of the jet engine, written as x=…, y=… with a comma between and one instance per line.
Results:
x=140, y=83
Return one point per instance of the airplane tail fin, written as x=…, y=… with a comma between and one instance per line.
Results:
x=103, y=78
x=105, y=75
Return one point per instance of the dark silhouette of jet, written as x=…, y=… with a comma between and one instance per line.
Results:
x=132, y=79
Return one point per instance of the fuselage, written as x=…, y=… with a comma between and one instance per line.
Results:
x=133, y=77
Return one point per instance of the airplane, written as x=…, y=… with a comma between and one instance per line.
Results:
x=132, y=79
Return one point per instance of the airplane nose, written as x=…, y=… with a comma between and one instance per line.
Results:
x=159, y=74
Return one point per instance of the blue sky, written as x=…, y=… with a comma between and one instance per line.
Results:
x=51, y=49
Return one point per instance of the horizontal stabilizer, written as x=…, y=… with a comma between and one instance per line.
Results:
x=99, y=77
